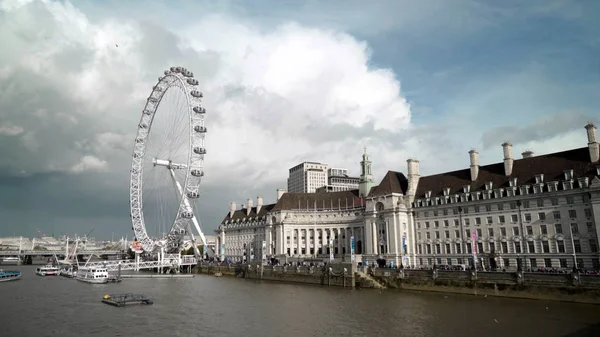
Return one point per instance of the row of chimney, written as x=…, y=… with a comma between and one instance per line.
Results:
x=250, y=203
x=593, y=146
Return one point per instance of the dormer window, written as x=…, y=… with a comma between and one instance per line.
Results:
x=510, y=192
x=447, y=191
x=569, y=174
x=537, y=188
x=467, y=188
x=428, y=194
x=598, y=170
x=475, y=195
x=524, y=189
x=552, y=186
x=498, y=193
x=464, y=197
x=513, y=182
x=568, y=185
x=437, y=200
x=453, y=199
x=539, y=178
x=488, y=185
x=583, y=182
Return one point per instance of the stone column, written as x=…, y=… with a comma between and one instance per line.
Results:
x=268, y=239
x=368, y=240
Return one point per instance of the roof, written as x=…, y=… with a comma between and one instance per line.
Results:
x=319, y=200
x=306, y=201
x=552, y=166
x=392, y=182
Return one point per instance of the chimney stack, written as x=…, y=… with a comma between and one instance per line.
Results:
x=232, y=210
x=250, y=204
x=413, y=176
x=527, y=154
x=259, y=203
x=594, y=148
x=280, y=192
x=508, y=158
x=474, y=156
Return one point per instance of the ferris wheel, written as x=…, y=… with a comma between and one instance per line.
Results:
x=168, y=164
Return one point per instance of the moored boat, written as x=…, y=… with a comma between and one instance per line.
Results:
x=70, y=273
x=10, y=260
x=9, y=275
x=97, y=275
x=47, y=270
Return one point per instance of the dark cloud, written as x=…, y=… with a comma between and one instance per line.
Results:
x=541, y=130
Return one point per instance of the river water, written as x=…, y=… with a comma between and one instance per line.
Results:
x=210, y=306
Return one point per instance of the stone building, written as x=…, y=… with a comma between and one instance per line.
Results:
x=540, y=211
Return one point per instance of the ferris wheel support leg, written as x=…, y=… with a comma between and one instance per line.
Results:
x=187, y=204
x=137, y=261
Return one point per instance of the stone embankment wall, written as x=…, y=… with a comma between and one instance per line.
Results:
x=567, y=287
x=340, y=275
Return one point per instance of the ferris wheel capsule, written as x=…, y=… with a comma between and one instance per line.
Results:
x=200, y=129
x=197, y=173
x=196, y=93
x=199, y=110
x=199, y=150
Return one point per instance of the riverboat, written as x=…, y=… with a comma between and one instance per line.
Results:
x=47, y=270
x=120, y=300
x=9, y=275
x=96, y=275
x=67, y=272
x=10, y=260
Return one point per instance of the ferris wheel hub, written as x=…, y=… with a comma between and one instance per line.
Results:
x=167, y=163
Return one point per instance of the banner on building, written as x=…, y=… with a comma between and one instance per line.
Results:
x=404, y=248
x=264, y=250
x=474, y=245
x=331, y=249
x=223, y=250
x=352, y=249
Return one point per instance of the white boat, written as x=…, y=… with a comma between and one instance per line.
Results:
x=96, y=275
x=10, y=260
x=67, y=272
x=47, y=270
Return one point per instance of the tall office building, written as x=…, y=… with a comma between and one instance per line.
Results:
x=307, y=177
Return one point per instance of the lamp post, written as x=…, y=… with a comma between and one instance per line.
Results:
x=525, y=248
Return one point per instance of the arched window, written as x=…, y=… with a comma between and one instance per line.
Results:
x=379, y=206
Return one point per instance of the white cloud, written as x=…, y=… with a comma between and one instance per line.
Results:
x=10, y=130
x=90, y=164
x=264, y=95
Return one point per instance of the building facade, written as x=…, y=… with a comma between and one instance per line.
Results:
x=534, y=211
x=338, y=180
x=307, y=177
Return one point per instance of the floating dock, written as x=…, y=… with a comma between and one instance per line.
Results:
x=120, y=300
x=158, y=276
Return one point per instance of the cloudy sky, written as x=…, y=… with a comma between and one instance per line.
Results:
x=284, y=82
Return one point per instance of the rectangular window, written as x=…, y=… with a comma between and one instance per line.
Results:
x=479, y=233
x=488, y=208
x=596, y=263
x=593, y=246
x=527, y=217
x=504, y=247
x=533, y=263
x=570, y=200
x=590, y=228
x=467, y=222
x=480, y=247
x=489, y=220
x=516, y=230
x=469, y=251
x=437, y=224
x=445, y=211
x=540, y=203
x=478, y=221
x=514, y=218
x=563, y=263
x=491, y=232
x=458, y=249
x=428, y=235
x=446, y=223
x=427, y=224
x=437, y=235
x=542, y=216
x=531, y=246
x=449, y=261
x=518, y=247
x=500, y=207
x=558, y=228
x=506, y=262
x=502, y=231
x=457, y=234
x=513, y=205
x=574, y=228
x=438, y=249
x=545, y=247
x=468, y=233
x=554, y=201
x=435, y=213
x=548, y=263
x=556, y=215
x=529, y=230
x=447, y=234
x=448, y=249
x=572, y=214
x=588, y=212
x=419, y=236
x=526, y=204
x=476, y=209
x=577, y=245
x=544, y=229
x=561, y=246
x=501, y=219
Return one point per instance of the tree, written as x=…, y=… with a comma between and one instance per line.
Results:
x=190, y=251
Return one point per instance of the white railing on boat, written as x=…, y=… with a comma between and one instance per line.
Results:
x=58, y=252
x=112, y=265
